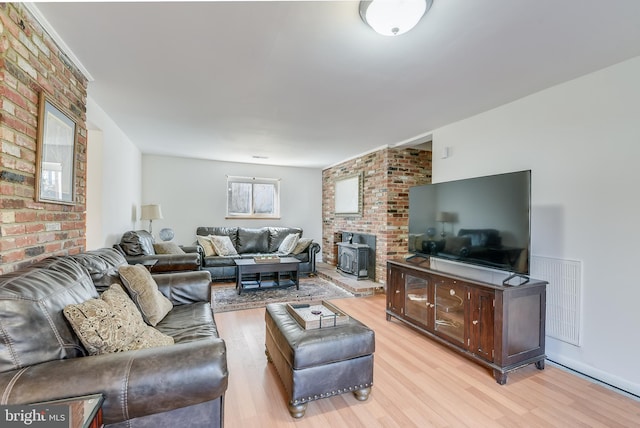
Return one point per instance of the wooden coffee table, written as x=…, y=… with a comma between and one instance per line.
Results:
x=277, y=267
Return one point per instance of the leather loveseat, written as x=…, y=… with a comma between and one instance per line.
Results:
x=251, y=242
x=42, y=359
x=139, y=246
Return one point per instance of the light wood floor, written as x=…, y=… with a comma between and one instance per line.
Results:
x=417, y=383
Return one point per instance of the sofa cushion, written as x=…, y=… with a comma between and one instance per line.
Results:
x=303, y=257
x=220, y=261
x=231, y=232
x=167, y=248
x=137, y=243
x=34, y=329
x=253, y=240
x=144, y=291
x=207, y=245
x=223, y=245
x=186, y=323
x=277, y=235
x=102, y=265
x=301, y=245
x=112, y=323
x=288, y=244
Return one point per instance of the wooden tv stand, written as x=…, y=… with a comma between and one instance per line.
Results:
x=500, y=327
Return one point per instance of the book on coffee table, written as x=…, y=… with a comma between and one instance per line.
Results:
x=317, y=315
x=266, y=259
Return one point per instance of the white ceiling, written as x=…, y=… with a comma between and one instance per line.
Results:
x=309, y=84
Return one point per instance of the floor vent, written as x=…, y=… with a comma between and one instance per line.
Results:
x=564, y=294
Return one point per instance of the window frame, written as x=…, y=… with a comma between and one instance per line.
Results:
x=251, y=214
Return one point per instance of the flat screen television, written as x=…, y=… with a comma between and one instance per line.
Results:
x=484, y=221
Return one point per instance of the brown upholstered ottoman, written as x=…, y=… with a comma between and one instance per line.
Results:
x=318, y=363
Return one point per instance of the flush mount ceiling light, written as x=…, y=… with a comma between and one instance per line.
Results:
x=393, y=17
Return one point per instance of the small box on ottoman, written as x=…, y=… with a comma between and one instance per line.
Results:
x=318, y=363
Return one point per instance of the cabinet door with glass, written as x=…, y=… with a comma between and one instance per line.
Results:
x=450, y=309
x=419, y=301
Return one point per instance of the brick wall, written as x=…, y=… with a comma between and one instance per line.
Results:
x=388, y=174
x=30, y=62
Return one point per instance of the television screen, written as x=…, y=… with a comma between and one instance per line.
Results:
x=482, y=221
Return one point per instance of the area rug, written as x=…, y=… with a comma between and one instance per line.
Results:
x=225, y=298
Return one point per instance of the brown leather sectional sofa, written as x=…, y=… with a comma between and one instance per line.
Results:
x=42, y=359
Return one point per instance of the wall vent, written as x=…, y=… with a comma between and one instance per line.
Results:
x=564, y=296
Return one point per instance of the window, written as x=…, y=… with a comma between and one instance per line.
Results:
x=251, y=197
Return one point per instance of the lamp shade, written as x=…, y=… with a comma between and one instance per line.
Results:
x=392, y=18
x=443, y=216
x=151, y=212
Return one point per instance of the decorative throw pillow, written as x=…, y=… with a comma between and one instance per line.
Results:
x=167, y=248
x=301, y=245
x=153, y=305
x=223, y=245
x=112, y=323
x=207, y=245
x=288, y=243
x=148, y=336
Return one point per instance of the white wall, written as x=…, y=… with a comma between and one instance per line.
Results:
x=114, y=193
x=192, y=193
x=581, y=140
x=94, y=189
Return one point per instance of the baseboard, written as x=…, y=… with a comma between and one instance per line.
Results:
x=614, y=383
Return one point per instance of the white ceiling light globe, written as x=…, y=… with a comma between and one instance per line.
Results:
x=393, y=17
